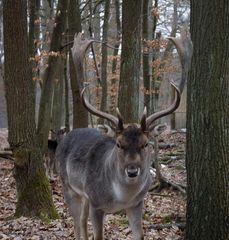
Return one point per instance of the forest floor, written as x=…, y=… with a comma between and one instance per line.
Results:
x=162, y=209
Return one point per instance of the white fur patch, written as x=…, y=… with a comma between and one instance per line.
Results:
x=118, y=191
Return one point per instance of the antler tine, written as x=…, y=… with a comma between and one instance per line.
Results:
x=97, y=112
x=143, y=120
x=184, y=49
x=170, y=109
x=120, y=120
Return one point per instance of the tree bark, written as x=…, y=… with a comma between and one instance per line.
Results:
x=80, y=115
x=168, y=50
x=58, y=111
x=113, y=95
x=128, y=99
x=208, y=122
x=33, y=193
x=145, y=57
x=34, y=34
x=103, y=105
x=66, y=97
x=154, y=89
x=44, y=117
x=33, y=28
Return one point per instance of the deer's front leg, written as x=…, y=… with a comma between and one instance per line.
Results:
x=84, y=218
x=134, y=215
x=97, y=223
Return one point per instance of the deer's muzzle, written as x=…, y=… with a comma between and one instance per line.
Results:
x=132, y=171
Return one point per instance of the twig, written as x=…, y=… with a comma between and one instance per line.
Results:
x=181, y=225
x=161, y=195
x=174, y=185
x=97, y=41
x=7, y=155
x=163, y=182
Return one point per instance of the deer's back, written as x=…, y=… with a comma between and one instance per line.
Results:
x=75, y=146
x=76, y=153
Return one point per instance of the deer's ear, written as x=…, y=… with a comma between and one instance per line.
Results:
x=120, y=142
x=143, y=121
x=64, y=130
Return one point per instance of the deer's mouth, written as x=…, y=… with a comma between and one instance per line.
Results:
x=132, y=171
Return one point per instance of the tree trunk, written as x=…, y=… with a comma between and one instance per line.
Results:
x=34, y=35
x=114, y=80
x=103, y=106
x=44, y=117
x=33, y=192
x=58, y=96
x=156, y=80
x=66, y=97
x=154, y=20
x=168, y=50
x=80, y=115
x=145, y=57
x=96, y=20
x=208, y=122
x=128, y=99
x=33, y=28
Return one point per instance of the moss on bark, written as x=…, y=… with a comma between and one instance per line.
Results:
x=34, y=193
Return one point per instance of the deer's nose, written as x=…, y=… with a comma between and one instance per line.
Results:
x=132, y=171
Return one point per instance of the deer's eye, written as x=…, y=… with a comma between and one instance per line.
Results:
x=145, y=145
x=118, y=145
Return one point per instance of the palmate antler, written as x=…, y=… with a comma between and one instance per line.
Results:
x=79, y=49
x=184, y=49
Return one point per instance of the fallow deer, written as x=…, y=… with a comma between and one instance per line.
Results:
x=103, y=175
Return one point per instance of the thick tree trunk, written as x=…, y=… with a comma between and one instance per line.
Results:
x=208, y=122
x=33, y=192
x=80, y=115
x=128, y=99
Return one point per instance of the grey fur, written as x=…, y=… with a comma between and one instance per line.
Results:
x=92, y=170
x=50, y=164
